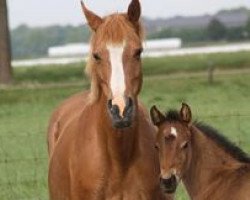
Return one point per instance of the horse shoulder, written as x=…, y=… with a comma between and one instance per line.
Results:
x=146, y=167
x=62, y=115
x=65, y=166
x=232, y=184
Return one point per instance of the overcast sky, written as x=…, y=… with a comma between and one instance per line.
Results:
x=49, y=12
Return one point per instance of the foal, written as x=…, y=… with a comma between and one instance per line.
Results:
x=210, y=166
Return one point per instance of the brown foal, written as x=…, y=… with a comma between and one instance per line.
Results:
x=101, y=141
x=210, y=166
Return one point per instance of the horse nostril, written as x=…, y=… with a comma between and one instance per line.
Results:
x=173, y=178
x=110, y=104
x=115, y=110
x=129, y=102
x=129, y=107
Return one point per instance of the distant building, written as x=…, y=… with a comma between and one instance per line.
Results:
x=69, y=50
x=150, y=47
x=162, y=44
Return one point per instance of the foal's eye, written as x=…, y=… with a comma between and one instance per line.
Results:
x=96, y=56
x=184, y=145
x=157, y=147
x=138, y=53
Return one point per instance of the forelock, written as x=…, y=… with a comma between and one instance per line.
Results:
x=173, y=116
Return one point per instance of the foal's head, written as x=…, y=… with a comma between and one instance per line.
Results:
x=173, y=144
x=115, y=61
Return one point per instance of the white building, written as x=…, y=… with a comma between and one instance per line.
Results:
x=69, y=50
x=162, y=44
x=150, y=47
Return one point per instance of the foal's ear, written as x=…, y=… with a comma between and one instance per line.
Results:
x=156, y=116
x=93, y=20
x=134, y=11
x=185, y=113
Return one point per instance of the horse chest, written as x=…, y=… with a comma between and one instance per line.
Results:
x=126, y=190
x=111, y=184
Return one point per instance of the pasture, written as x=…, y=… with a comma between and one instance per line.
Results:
x=26, y=106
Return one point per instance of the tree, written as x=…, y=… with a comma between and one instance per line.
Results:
x=5, y=50
x=216, y=30
x=32, y=42
x=248, y=28
x=236, y=33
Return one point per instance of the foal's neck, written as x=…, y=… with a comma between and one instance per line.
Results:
x=120, y=144
x=208, y=163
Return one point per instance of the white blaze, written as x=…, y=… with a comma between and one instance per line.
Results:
x=117, y=82
x=167, y=175
x=173, y=131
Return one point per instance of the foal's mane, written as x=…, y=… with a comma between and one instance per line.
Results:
x=114, y=29
x=215, y=135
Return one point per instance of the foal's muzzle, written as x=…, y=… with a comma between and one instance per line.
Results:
x=125, y=120
x=169, y=185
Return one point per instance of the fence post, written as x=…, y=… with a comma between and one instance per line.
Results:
x=211, y=69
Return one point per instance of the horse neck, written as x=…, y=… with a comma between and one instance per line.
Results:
x=207, y=165
x=120, y=144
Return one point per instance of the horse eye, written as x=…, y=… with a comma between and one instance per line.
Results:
x=184, y=145
x=96, y=56
x=138, y=53
x=157, y=147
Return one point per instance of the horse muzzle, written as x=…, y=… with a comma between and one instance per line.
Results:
x=169, y=185
x=124, y=119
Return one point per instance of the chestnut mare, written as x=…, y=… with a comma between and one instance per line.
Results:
x=101, y=141
x=210, y=166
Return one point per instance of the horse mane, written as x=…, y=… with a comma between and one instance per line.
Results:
x=115, y=28
x=223, y=142
x=172, y=115
x=213, y=134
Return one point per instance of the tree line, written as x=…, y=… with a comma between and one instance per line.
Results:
x=215, y=31
x=29, y=42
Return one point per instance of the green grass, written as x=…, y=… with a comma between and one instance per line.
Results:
x=151, y=66
x=24, y=115
x=25, y=110
x=49, y=74
x=194, y=63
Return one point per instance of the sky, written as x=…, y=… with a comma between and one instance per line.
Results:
x=51, y=12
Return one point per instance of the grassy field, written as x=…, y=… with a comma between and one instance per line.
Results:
x=151, y=66
x=26, y=106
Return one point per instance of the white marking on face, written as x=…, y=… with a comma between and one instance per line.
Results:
x=167, y=175
x=173, y=131
x=117, y=81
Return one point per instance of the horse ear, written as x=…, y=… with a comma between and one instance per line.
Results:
x=93, y=20
x=156, y=116
x=134, y=11
x=185, y=113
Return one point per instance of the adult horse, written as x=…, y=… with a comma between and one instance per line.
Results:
x=210, y=166
x=100, y=141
